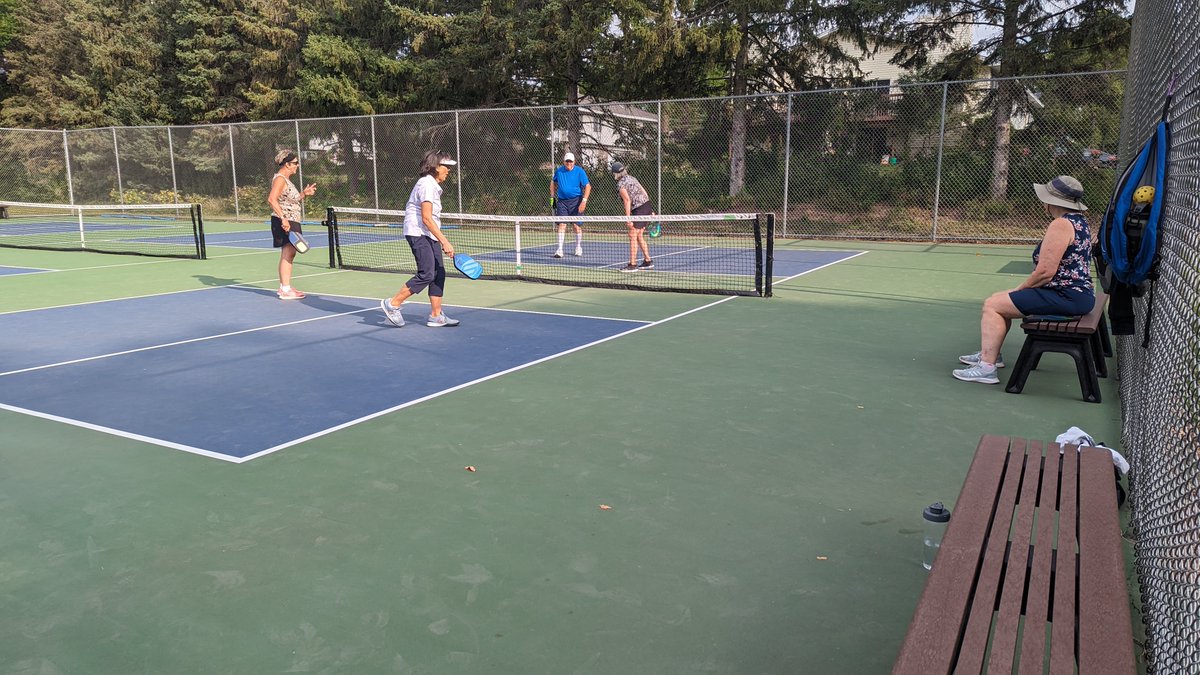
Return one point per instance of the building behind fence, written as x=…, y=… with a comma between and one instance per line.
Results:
x=916, y=161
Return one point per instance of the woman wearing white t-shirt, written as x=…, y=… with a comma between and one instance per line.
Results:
x=422, y=229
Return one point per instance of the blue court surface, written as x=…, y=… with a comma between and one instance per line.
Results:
x=259, y=239
x=675, y=258
x=12, y=271
x=234, y=373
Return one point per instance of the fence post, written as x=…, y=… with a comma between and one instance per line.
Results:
x=300, y=167
x=117, y=156
x=67, y=162
x=552, y=159
x=937, y=184
x=374, y=163
x=458, y=155
x=660, y=209
x=237, y=212
x=171, y=154
x=787, y=163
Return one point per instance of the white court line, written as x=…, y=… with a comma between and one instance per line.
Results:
x=31, y=270
x=486, y=309
x=118, y=432
x=183, y=342
x=780, y=281
x=246, y=284
x=464, y=385
x=324, y=432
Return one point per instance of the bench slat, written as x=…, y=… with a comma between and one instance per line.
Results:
x=926, y=650
x=1004, y=640
x=1037, y=606
x=979, y=623
x=1103, y=598
x=1062, y=630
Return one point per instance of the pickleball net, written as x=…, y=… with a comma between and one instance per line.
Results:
x=721, y=253
x=168, y=230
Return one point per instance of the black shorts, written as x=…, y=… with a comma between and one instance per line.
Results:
x=278, y=236
x=643, y=210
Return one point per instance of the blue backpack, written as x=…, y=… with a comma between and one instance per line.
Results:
x=1129, y=233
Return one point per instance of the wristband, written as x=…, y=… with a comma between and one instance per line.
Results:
x=584, y=199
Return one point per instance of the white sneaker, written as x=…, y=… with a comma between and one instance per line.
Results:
x=392, y=314
x=441, y=321
x=579, y=251
x=973, y=360
x=977, y=374
x=558, y=253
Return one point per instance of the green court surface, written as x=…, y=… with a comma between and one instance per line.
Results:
x=766, y=462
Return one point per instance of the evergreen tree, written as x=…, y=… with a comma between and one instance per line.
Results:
x=87, y=63
x=1035, y=37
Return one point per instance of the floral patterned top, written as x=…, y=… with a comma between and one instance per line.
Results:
x=637, y=193
x=289, y=199
x=1074, y=270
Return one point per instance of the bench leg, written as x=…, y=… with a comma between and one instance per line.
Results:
x=1025, y=363
x=1085, y=366
x=1096, y=344
x=1080, y=350
x=1105, y=339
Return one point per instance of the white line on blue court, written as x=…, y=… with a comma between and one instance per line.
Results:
x=186, y=342
x=117, y=432
x=464, y=385
x=244, y=284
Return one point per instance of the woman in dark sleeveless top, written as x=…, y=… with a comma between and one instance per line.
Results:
x=1061, y=282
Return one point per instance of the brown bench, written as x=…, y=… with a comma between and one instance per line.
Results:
x=1084, y=338
x=1016, y=589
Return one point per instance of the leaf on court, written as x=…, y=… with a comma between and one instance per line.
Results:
x=822, y=557
x=605, y=507
x=470, y=468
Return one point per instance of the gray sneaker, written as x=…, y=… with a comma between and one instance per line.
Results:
x=977, y=374
x=973, y=360
x=392, y=314
x=630, y=268
x=441, y=321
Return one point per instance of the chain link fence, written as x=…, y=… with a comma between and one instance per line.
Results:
x=923, y=161
x=1160, y=397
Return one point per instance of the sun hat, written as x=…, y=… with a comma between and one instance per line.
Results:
x=569, y=157
x=1064, y=191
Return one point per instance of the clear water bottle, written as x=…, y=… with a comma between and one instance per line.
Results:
x=936, y=517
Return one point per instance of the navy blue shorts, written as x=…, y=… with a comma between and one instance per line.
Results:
x=567, y=207
x=1052, y=301
x=431, y=271
x=278, y=236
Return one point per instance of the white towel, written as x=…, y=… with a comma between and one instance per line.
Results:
x=1081, y=438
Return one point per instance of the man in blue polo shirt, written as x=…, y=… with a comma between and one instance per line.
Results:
x=569, y=190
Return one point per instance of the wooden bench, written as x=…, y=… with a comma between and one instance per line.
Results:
x=1084, y=338
x=1031, y=571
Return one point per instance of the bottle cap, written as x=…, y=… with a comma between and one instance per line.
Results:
x=937, y=513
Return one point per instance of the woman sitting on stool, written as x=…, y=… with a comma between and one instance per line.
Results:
x=1061, y=282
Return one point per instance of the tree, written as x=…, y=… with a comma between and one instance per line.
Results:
x=774, y=45
x=1035, y=37
x=87, y=63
